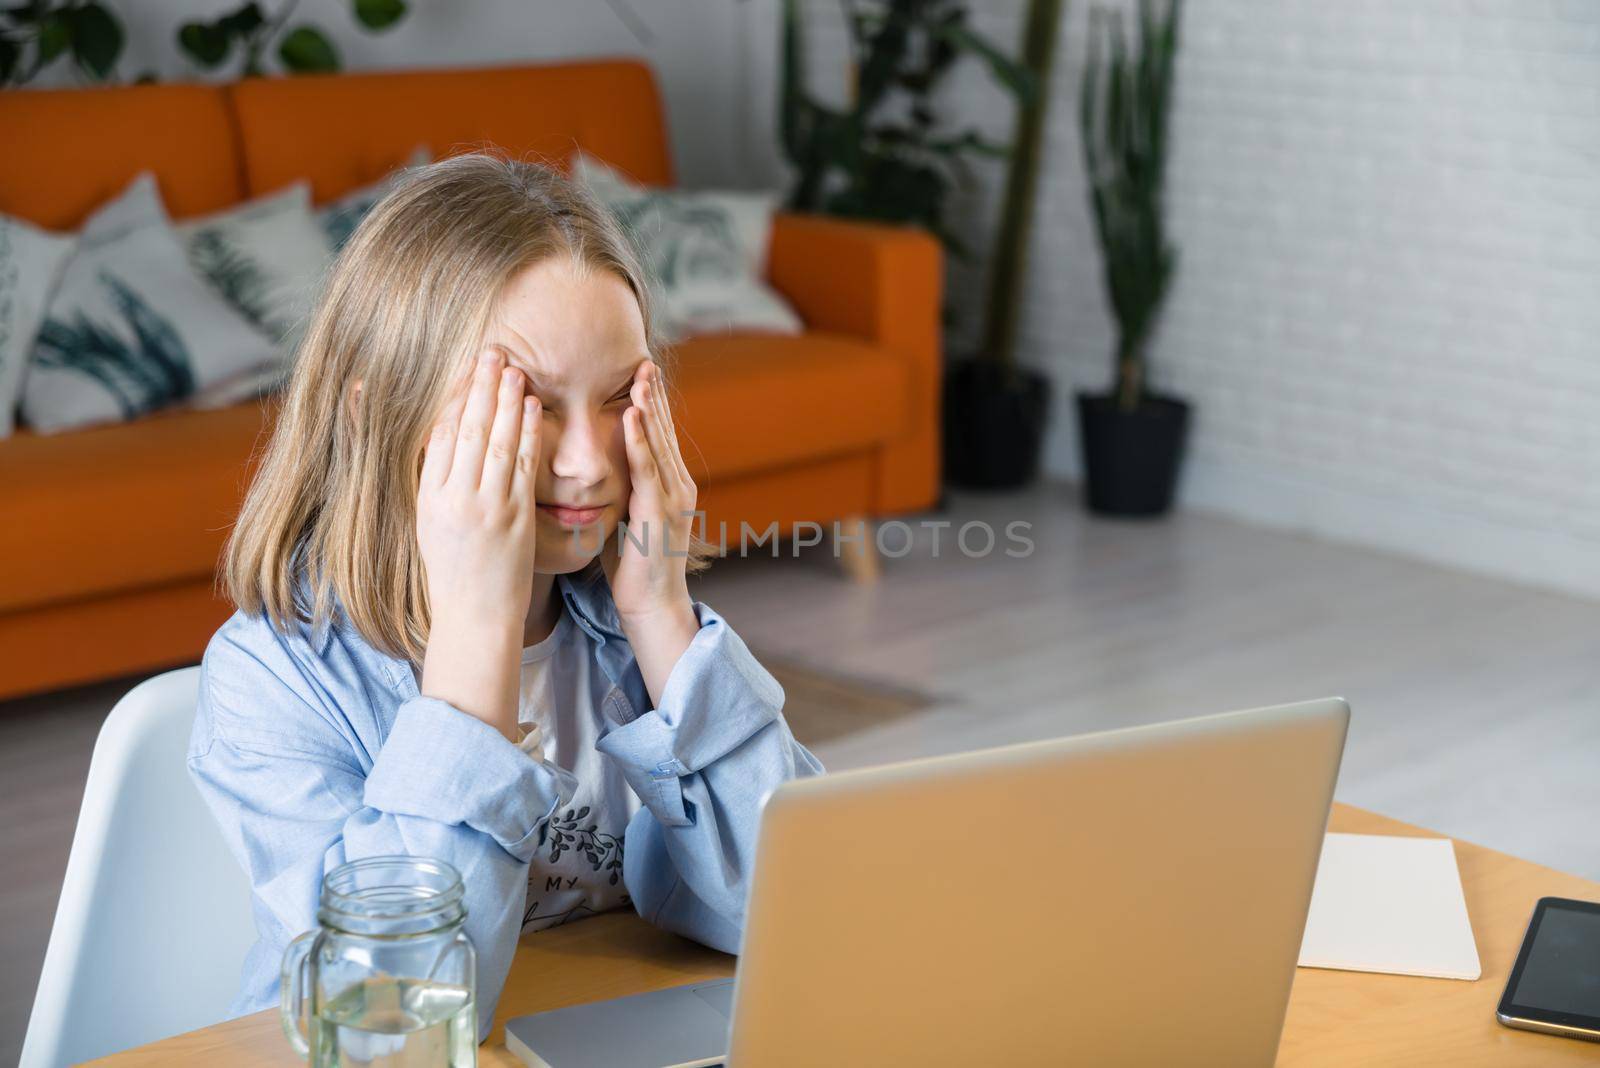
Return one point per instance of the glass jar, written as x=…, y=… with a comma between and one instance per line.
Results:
x=389, y=978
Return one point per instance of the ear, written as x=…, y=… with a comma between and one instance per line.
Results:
x=355, y=397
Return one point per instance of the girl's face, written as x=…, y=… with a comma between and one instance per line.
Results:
x=578, y=337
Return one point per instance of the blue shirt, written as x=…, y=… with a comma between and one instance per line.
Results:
x=315, y=748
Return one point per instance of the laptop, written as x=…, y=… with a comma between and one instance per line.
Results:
x=1131, y=897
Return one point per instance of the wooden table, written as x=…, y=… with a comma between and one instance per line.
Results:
x=1335, y=1018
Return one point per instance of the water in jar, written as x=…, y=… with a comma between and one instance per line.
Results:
x=386, y=1022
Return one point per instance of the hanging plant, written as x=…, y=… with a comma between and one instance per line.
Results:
x=302, y=49
x=35, y=35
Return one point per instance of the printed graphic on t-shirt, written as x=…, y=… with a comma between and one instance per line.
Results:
x=577, y=870
x=603, y=851
x=560, y=889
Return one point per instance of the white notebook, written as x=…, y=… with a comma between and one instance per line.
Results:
x=1387, y=904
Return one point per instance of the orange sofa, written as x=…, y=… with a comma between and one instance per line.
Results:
x=109, y=536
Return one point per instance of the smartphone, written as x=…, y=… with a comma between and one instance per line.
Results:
x=1555, y=985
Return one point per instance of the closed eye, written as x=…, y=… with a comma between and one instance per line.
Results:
x=625, y=394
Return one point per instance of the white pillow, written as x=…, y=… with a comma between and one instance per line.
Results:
x=132, y=328
x=269, y=378
x=340, y=218
x=266, y=257
x=31, y=262
x=706, y=252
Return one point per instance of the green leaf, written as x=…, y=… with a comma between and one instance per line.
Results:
x=886, y=51
x=1088, y=107
x=205, y=43
x=307, y=51
x=969, y=141
x=792, y=102
x=242, y=23
x=96, y=38
x=9, y=53
x=1006, y=70
x=379, y=14
x=54, y=37
x=1125, y=104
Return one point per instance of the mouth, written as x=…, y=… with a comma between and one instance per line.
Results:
x=572, y=517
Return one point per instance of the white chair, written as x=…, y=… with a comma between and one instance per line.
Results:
x=154, y=918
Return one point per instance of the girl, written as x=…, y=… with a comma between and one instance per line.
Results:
x=443, y=644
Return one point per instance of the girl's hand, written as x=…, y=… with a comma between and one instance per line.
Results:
x=475, y=531
x=649, y=581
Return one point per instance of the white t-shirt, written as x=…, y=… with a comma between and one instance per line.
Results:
x=578, y=870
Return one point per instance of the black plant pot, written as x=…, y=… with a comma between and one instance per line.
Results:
x=993, y=428
x=1131, y=458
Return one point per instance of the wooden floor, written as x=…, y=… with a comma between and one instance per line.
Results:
x=1476, y=703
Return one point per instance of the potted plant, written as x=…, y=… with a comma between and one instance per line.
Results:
x=995, y=412
x=886, y=156
x=1132, y=437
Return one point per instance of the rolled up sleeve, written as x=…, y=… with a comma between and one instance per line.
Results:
x=703, y=763
x=440, y=763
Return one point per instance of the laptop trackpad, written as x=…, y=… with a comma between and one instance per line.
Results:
x=680, y=1025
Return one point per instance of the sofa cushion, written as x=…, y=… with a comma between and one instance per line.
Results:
x=705, y=252
x=31, y=262
x=131, y=327
x=745, y=402
x=266, y=257
x=85, y=145
x=344, y=130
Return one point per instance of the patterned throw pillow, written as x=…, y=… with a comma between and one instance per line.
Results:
x=269, y=378
x=340, y=218
x=705, y=252
x=31, y=262
x=132, y=328
x=266, y=257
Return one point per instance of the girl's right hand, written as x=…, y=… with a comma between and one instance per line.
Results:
x=476, y=519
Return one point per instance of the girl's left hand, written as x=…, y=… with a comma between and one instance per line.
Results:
x=651, y=580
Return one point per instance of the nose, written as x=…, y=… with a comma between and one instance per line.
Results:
x=578, y=448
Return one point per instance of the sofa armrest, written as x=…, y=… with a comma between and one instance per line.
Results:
x=883, y=284
x=872, y=281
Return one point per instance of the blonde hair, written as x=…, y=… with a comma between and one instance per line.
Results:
x=404, y=309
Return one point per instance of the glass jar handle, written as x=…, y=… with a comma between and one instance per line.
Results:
x=461, y=946
x=461, y=967
x=292, y=983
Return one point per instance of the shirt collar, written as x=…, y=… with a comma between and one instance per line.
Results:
x=588, y=596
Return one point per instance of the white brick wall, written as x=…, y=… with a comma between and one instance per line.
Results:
x=1388, y=301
